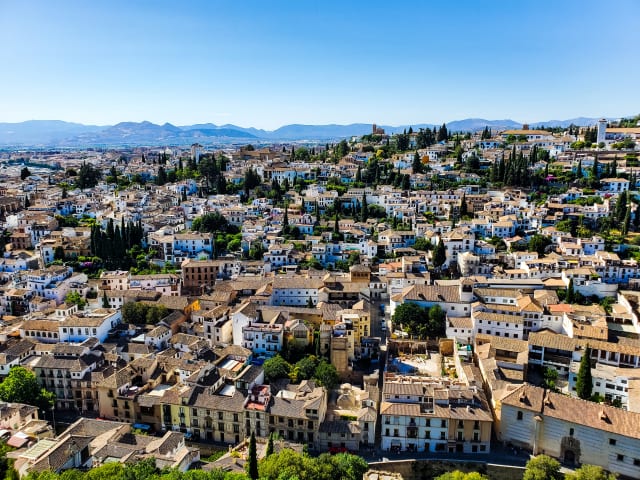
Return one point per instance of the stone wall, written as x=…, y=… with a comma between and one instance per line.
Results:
x=427, y=469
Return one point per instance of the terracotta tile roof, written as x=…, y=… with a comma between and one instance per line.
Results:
x=575, y=410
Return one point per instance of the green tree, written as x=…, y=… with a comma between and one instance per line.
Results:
x=626, y=221
x=571, y=294
x=276, y=367
x=584, y=380
x=422, y=244
x=402, y=141
x=269, y=450
x=161, y=178
x=74, y=298
x=209, y=169
x=251, y=180
x=590, y=472
x=252, y=464
x=105, y=300
x=458, y=475
x=88, y=176
x=411, y=317
x=550, y=378
x=621, y=207
x=58, y=253
x=211, y=222
x=464, y=209
x=305, y=368
x=364, y=208
x=436, y=326
x=326, y=374
x=595, y=169
x=443, y=134
x=417, y=163
x=542, y=467
x=21, y=386
x=439, y=255
x=538, y=243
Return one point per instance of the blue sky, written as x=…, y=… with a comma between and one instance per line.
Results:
x=269, y=63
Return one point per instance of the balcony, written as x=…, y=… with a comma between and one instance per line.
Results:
x=557, y=359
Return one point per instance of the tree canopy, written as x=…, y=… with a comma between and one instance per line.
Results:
x=458, y=475
x=590, y=472
x=21, y=386
x=439, y=255
x=538, y=243
x=88, y=176
x=542, y=467
x=141, y=313
x=309, y=367
x=423, y=322
x=276, y=367
x=212, y=222
x=287, y=464
x=584, y=380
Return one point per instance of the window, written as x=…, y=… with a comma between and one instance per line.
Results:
x=636, y=462
x=620, y=457
x=571, y=432
x=612, y=441
x=519, y=416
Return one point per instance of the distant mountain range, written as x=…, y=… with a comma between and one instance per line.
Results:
x=57, y=133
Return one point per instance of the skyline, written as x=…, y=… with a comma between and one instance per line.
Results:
x=254, y=66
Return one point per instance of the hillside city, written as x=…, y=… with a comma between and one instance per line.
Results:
x=429, y=294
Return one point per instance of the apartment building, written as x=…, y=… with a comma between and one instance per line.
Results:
x=425, y=414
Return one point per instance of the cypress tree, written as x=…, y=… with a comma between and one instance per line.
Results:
x=285, y=220
x=626, y=221
x=595, y=169
x=364, y=213
x=570, y=297
x=110, y=229
x=252, y=465
x=463, y=206
x=584, y=381
x=269, y=445
x=621, y=207
x=105, y=300
x=417, y=163
x=439, y=254
x=579, y=169
x=406, y=182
